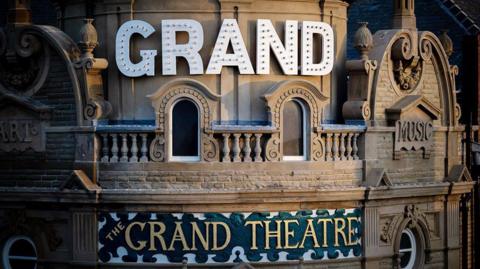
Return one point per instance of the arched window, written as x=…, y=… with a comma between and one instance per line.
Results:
x=408, y=249
x=184, y=132
x=19, y=252
x=294, y=131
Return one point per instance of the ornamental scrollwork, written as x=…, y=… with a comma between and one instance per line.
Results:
x=157, y=148
x=24, y=64
x=272, y=150
x=388, y=228
x=318, y=148
x=211, y=148
x=407, y=69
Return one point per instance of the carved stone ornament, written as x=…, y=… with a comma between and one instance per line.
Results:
x=22, y=123
x=388, y=225
x=24, y=61
x=360, y=78
x=413, y=117
x=96, y=106
x=276, y=97
x=157, y=148
x=407, y=66
x=363, y=40
x=413, y=214
x=447, y=42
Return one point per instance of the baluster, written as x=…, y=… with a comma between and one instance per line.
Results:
x=328, y=147
x=236, y=148
x=258, y=148
x=124, y=149
x=349, y=146
x=355, y=147
x=134, y=149
x=342, y=145
x=105, y=148
x=114, y=158
x=247, y=149
x=335, y=147
x=144, y=150
x=226, y=148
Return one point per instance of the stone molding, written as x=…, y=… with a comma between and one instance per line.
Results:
x=163, y=100
x=313, y=98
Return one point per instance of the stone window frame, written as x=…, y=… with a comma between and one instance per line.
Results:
x=172, y=157
x=305, y=130
x=415, y=220
x=9, y=243
x=163, y=100
x=314, y=101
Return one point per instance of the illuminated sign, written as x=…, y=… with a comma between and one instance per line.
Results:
x=207, y=238
x=267, y=39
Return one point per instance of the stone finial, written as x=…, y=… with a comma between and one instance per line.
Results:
x=446, y=41
x=363, y=40
x=88, y=38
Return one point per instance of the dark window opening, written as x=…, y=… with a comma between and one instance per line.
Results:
x=185, y=129
x=293, y=129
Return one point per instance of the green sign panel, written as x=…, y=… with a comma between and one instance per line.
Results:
x=207, y=238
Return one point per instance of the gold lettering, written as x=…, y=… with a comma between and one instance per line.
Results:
x=228, y=235
x=324, y=222
x=339, y=231
x=157, y=234
x=178, y=236
x=289, y=233
x=269, y=234
x=254, y=232
x=128, y=239
x=310, y=232
x=351, y=231
x=197, y=233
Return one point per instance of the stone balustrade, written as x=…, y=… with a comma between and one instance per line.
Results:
x=242, y=143
x=340, y=142
x=236, y=143
x=125, y=146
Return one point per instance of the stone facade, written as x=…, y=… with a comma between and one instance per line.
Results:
x=106, y=144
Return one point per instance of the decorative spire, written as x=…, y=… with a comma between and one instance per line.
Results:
x=446, y=41
x=363, y=40
x=88, y=38
x=404, y=14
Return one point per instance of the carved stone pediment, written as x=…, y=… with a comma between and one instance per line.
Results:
x=378, y=177
x=459, y=173
x=411, y=107
x=413, y=117
x=22, y=123
x=79, y=181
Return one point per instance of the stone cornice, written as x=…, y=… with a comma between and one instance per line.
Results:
x=218, y=198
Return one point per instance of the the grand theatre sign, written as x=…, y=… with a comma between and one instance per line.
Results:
x=313, y=34
x=229, y=237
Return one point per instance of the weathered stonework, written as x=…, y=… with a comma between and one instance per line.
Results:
x=105, y=139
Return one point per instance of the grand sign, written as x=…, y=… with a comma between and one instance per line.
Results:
x=208, y=238
x=313, y=33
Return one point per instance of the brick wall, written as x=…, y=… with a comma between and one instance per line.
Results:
x=49, y=168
